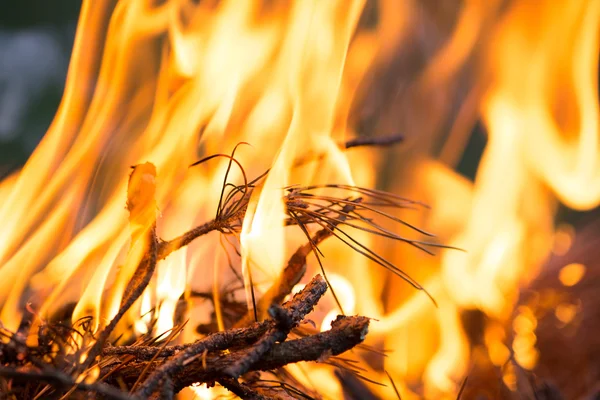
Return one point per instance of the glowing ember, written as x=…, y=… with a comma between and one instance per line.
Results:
x=570, y=274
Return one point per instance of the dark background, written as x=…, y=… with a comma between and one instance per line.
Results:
x=36, y=37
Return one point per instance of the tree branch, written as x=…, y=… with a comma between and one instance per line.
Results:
x=294, y=311
x=345, y=333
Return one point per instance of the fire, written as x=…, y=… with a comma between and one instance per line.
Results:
x=173, y=83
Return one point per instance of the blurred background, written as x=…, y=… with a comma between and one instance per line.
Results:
x=36, y=37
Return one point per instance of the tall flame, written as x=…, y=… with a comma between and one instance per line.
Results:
x=167, y=84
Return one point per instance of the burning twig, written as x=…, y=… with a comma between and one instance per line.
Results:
x=261, y=346
x=393, y=385
x=346, y=332
x=310, y=205
x=306, y=208
x=242, y=390
x=295, y=268
x=228, y=356
x=253, y=348
x=292, y=314
x=60, y=379
x=232, y=206
x=167, y=247
x=264, y=389
x=142, y=219
x=462, y=387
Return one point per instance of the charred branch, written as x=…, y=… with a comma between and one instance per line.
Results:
x=147, y=370
x=259, y=390
x=345, y=333
x=287, y=317
x=242, y=390
x=59, y=379
x=221, y=357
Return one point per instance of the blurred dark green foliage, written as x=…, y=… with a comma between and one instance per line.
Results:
x=25, y=14
x=36, y=37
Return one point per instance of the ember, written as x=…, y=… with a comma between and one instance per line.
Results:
x=201, y=219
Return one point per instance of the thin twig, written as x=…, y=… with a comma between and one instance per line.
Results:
x=142, y=218
x=374, y=141
x=293, y=271
x=462, y=388
x=241, y=390
x=394, y=385
x=59, y=378
x=167, y=247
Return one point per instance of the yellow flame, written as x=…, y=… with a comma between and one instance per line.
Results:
x=345, y=295
x=322, y=33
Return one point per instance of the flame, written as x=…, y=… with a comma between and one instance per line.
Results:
x=107, y=122
x=324, y=48
x=537, y=153
x=172, y=83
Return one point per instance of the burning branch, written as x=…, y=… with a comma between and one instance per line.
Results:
x=295, y=268
x=62, y=380
x=222, y=356
x=284, y=320
x=142, y=219
x=228, y=356
x=260, y=346
x=346, y=332
x=310, y=206
x=232, y=207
